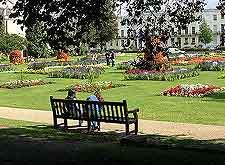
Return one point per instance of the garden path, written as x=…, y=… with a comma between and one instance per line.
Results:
x=184, y=130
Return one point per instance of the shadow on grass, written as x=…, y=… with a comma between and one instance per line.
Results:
x=218, y=97
x=41, y=144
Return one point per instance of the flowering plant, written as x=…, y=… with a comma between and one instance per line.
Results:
x=91, y=87
x=169, y=75
x=23, y=83
x=193, y=90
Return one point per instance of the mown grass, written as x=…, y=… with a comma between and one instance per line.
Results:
x=36, y=143
x=142, y=94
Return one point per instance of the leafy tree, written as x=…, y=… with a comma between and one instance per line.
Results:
x=206, y=35
x=65, y=21
x=105, y=30
x=221, y=5
x=2, y=25
x=9, y=42
x=153, y=21
x=37, y=38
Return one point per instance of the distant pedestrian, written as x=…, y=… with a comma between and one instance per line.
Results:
x=112, y=57
x=107, y=56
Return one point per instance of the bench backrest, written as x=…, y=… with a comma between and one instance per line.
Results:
x=98, y=111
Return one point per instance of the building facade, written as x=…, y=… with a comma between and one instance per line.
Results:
x=187, y=38
x=11, y=26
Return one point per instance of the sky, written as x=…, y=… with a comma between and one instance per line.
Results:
x=211, y=4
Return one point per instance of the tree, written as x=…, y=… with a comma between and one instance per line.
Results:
x=206, y=35
x=65, y=21
x=153, y=21
x=105, y=30
x=37, y=37
x=9, y=42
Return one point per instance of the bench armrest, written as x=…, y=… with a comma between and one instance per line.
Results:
x=134, y=110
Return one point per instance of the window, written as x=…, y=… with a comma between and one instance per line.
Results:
x=172, y=31
x=117, y=43
x=222, y=15
x=214, y=17
x=215, y=40
x=186, y=31
x=122, y=33
x=193, y=41
x=179, y=31
x=193, y=30
x=172, y=40
x=222, y=27
x=186, y=41
x=214, y=28
x=122, y=43
x=111, y=43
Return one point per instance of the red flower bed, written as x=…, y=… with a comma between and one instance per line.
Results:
x=196, y=90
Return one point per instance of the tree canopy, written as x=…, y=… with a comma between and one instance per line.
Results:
x=65, y=21
x=206, y=35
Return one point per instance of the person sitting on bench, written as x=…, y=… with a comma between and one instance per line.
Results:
x=72, y=96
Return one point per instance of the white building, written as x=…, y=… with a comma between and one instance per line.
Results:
x=181, y=38
x=11, y=26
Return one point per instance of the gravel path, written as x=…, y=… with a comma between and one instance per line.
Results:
x=195, y=131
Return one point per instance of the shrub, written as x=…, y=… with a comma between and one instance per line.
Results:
x=16, y=57
x=124, y=66
x=5, y=67
x=62, y=56
x=211, y=66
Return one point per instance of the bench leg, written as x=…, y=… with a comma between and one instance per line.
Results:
x=136, y=127
x=65, y=123
x=127, y=129
x=55, y=122
x=89, y=126
x=98, y=126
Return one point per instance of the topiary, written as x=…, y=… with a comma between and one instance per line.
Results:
x=16, y=57
x=62, y=56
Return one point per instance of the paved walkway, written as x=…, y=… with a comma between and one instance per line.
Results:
x=196, y=131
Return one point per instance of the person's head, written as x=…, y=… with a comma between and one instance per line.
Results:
x=71, y=94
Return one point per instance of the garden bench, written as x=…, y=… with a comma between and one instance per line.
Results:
x=110, y=112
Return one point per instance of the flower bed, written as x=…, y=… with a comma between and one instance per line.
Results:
x=124, y=66
x=5, y=67
x=194, y=90
x=212, y=66
x=91, y=87
x=89, y=60
x=172, y=75
x=81, y=72
x=23, y=83
x=42, y=65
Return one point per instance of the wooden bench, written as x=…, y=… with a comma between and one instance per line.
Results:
x=108, y=112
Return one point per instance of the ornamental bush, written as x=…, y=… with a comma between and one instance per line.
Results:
x=16, y=57
x=211, y=66
x=5, y=67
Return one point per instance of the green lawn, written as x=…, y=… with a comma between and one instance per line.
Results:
x=36, y=143
x=142, y=94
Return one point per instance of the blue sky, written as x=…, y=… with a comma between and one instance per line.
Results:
x=211, y=4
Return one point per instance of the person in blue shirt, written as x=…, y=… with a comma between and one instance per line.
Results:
x=96, y=108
